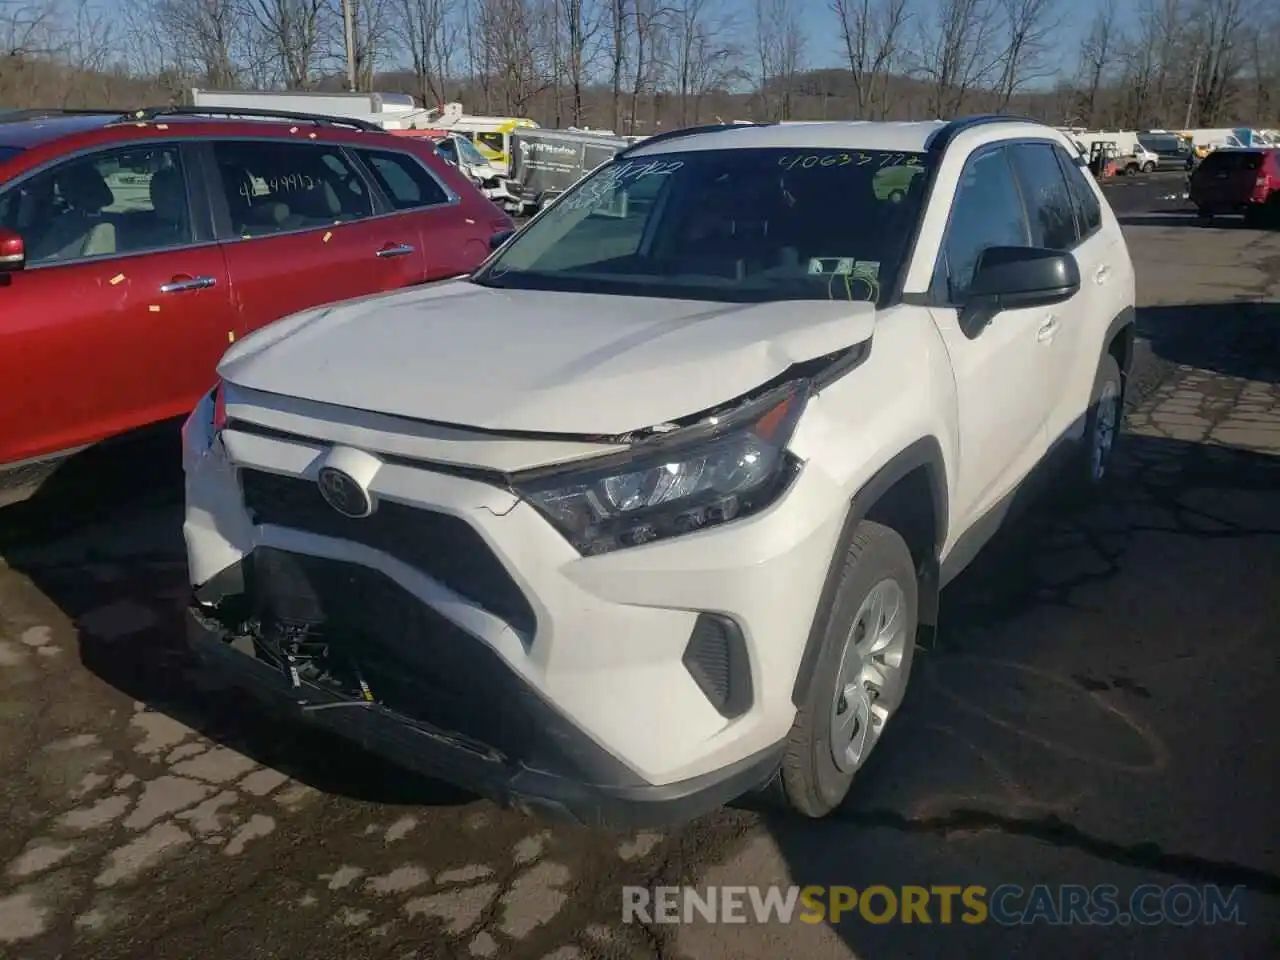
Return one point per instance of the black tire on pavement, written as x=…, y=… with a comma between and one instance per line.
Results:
x=809, y=783
x=1082, y=483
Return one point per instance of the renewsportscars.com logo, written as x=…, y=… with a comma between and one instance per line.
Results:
x=1008, y=905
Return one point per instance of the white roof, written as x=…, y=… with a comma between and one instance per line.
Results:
x=855, y=135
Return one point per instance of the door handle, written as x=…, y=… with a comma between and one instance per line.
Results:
x=1102, y=274
x=1048, y=330
x=179, y=284
x=395, y=250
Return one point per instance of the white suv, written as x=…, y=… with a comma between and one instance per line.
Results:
x=649, y=511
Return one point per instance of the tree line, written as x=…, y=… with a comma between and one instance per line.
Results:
x=637, y=66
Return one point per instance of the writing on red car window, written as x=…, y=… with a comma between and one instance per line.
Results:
x=280, y=183
x=810, y=161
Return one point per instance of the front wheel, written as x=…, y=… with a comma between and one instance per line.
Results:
x=860, y=678
x=1103, y=421
x=1148, y=167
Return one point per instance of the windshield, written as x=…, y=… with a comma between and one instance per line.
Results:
x=734, y=225
x=469, y=154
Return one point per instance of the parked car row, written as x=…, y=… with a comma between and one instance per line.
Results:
x=135, y=249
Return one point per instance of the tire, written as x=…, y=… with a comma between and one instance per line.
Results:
x=1131, y=170
x=1253, y=218
x=877, y=564
x=1148, y=168
x=1091, y=467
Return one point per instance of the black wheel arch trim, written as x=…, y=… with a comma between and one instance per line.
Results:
x=1126, y=319
x=925, y=452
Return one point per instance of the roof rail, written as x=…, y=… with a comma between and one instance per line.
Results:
x=941, y=138
x=48, y=113
x=148, y=114
x=693, y=131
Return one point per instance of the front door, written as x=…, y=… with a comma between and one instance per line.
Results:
x=123, y=309
x=1001, y=367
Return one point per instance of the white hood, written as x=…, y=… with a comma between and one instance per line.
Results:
x=510, y=360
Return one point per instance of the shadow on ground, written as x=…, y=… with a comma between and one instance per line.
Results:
x=103, y=541
x=1057, y=735
x=1240, y=339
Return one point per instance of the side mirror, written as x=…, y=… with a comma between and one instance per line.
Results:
x=13, y=254
x=1010, y=278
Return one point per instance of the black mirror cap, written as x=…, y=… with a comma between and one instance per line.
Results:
x=1012, y=277
x=499, y=238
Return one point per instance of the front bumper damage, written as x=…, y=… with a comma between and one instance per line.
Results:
x=385, y=698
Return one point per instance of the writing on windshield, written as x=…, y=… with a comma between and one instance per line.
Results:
x=600, y=190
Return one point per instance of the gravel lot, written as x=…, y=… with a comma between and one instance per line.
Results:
x=1101, y=711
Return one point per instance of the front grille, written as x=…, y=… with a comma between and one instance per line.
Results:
x=413, y=660
x=440, y=545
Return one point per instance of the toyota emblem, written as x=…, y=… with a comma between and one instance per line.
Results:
x=342, y=492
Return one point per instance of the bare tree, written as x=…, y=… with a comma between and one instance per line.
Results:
x=1097, y=53
x=430, y=31
x=371, y=22
x=294, y=31
x=581, y=21
x=871, y=31
x=779, y=48
x=1029, y=26
x=620, y=30
x=704, y=54
x=956, y=47
x=1220, y=25
x=509, y=38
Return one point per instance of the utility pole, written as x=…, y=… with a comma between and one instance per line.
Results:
x=1191, y=100
x=348, y=24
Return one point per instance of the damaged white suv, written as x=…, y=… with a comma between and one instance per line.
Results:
x=650, y=511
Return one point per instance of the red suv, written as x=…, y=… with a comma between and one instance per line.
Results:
x=134, y=248
x=1239, y=180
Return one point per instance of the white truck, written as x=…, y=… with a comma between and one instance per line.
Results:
x=373, y=107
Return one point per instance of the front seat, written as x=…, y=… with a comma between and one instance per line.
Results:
x=78, y=230
x=169, y=201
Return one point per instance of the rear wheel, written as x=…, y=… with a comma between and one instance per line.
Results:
x=861, y=674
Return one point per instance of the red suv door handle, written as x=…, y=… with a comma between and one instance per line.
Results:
x=395, y=250
x=180, y=283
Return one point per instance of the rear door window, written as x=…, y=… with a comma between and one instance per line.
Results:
x=274, y=186
x=405, y=182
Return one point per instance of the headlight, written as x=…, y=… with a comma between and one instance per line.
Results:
x=690, y=479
